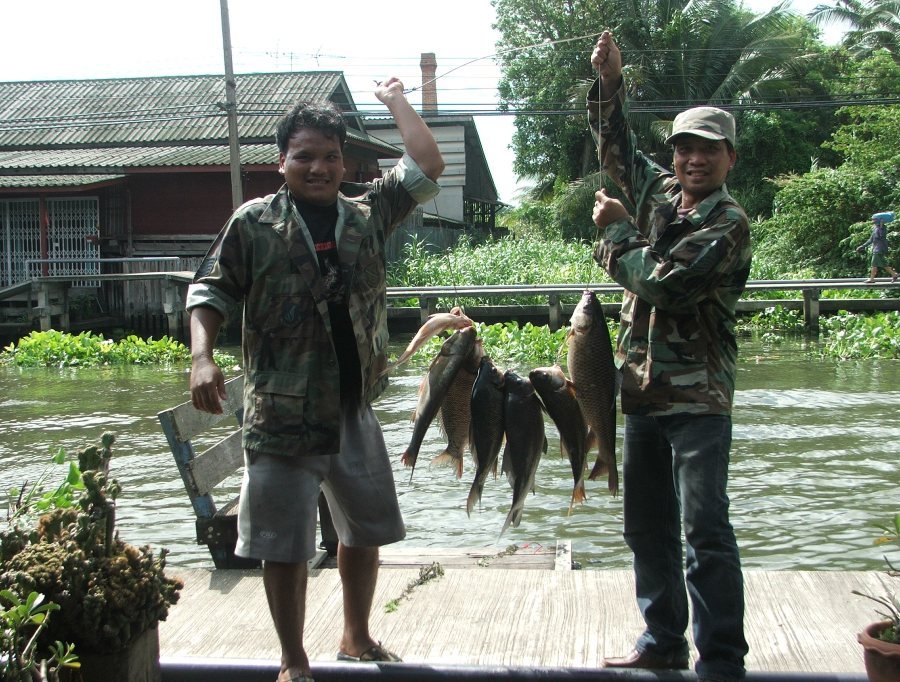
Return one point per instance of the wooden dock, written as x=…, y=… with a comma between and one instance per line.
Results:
x=523, y=609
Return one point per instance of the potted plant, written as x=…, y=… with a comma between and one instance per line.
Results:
x=881, y=640
x=110, y=595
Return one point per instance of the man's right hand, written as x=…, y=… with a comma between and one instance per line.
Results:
x=207, y=385
x=607, y=62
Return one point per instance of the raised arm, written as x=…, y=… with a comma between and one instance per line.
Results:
x=607, y=62
x=417, y=138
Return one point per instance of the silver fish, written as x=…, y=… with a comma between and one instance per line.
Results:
x=434, y=387
x=434, y=325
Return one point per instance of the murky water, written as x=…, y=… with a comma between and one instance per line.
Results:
x=814, y=463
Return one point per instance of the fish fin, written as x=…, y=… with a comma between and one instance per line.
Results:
x=409, y=460
x=578, y=495
x=601, y=466
x=447, y=458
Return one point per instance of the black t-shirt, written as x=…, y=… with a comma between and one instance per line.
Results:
x=321, y=221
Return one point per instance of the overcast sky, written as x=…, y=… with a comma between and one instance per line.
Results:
x=61, y=39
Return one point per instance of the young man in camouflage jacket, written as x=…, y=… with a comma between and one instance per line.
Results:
x=308, y=266
x=683, y=260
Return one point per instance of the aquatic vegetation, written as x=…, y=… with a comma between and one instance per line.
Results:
x=852, y=336
x=61, y=349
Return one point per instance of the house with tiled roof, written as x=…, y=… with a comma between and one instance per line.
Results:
x=141, y=166
x=128, y=167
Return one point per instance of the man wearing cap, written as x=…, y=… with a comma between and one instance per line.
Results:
x=683, y=259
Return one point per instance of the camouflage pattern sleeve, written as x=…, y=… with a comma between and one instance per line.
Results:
x=639, y=177
x=401, y=189
x=221, y=281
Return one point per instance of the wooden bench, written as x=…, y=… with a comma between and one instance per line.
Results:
x=201, y=473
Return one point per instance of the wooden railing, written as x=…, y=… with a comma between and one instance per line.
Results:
x=555, y=310
x=52, y=298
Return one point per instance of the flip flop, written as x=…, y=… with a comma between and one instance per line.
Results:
x=375, y=653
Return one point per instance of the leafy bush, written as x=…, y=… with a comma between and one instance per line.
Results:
x=62, y=349
x=108, y=592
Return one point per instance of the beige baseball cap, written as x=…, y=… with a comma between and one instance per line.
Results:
x=707, y=122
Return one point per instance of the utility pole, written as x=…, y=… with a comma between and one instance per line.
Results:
x=234, y=147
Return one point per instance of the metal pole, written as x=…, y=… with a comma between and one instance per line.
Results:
x=237, y=195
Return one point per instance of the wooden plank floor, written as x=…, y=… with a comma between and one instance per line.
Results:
x=796, y=621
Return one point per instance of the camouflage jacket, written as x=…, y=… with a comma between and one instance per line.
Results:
x=676, y=346
x=264, y=259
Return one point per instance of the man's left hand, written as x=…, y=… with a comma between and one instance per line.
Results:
x=607, y=210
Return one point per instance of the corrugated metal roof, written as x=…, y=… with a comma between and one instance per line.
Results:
x=34, y=181
x=155, y=110
x=131, y=157
x=119, y=158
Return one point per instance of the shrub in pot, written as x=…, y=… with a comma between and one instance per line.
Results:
x=109, y=592
x=881, y=640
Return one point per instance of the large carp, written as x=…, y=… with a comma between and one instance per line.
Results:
x=558, y=395
x=594, y=374
x=525, y=441
x=456, y=411
x=486, y=426
x=434, y=387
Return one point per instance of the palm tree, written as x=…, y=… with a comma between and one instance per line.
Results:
x=873, y=24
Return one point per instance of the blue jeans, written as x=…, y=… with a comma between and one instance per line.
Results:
x=676, y=467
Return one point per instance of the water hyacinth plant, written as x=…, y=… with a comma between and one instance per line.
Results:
x=61, y=349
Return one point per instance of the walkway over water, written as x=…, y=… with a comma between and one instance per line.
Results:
x=797, y=622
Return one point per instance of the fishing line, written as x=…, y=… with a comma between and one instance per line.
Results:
x=544, y=43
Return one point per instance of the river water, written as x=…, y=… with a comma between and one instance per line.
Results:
x=814, y=462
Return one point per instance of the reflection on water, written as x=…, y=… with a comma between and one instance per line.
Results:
x=814, y=463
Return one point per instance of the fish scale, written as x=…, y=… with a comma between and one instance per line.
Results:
x=594, y=374
x=486, y=426
x=525, y=441
x=434, y=388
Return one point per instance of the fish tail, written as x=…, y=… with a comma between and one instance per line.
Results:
x=474, y=497
x=613, y=480
x=409, y=460
x=512, y=519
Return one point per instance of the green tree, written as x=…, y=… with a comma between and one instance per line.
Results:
x=873, y=24
x=821, y=216
x=678, y=53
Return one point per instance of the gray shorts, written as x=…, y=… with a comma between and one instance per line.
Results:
x=278, y=510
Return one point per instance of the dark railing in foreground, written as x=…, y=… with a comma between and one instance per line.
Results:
x=224, y=670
